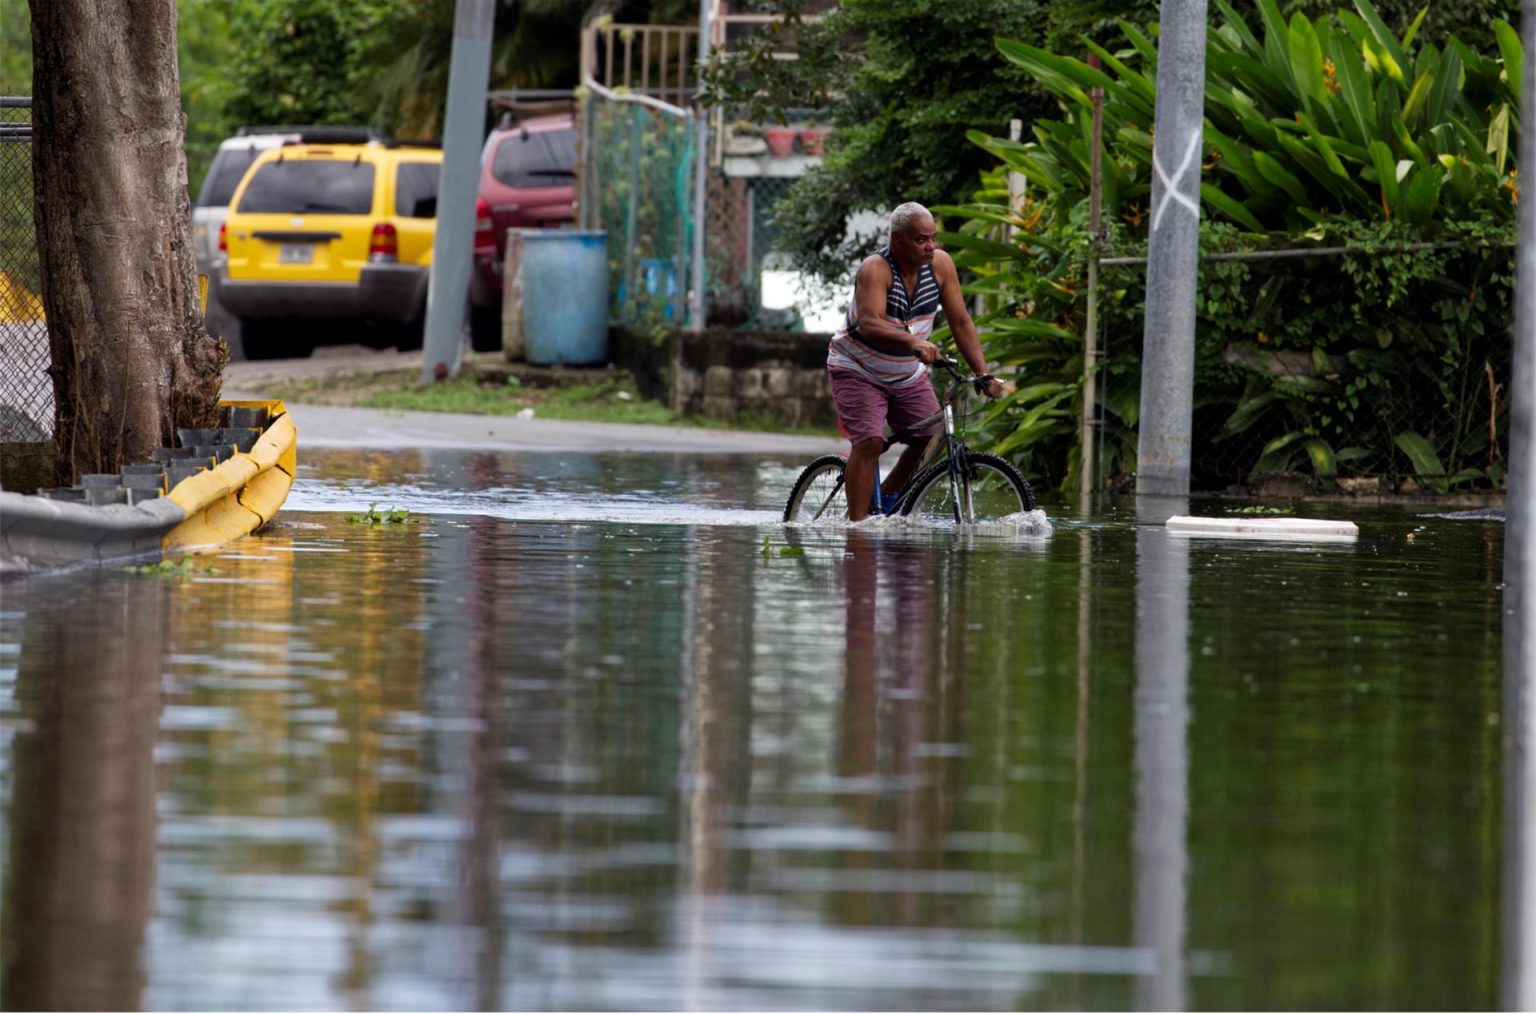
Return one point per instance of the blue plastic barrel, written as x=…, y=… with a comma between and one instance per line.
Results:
x=565, y=297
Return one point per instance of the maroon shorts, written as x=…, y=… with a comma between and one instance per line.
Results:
x=864, y=406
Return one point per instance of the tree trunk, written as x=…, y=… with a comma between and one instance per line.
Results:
x=131, y=358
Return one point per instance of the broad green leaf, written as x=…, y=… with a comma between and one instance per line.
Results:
x=1351, y=453
x=1233, y=209
x=1386, y=173
x=1498, y=137
x=1417, y=96
x=1426, y=463
x=1413, y=29
x=1280, y=176
x=1240, y=26
x=1248, y=411
x=1323, y=462
x=1423, y=194
x=1391, y=54
x=1306, y=57
x=1513, y=53
x=1446, y=87
x=1359, y=119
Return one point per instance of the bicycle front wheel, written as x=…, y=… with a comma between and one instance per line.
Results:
x=819, y=492
x=996, y=491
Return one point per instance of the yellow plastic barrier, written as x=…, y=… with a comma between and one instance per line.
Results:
x=241, y=494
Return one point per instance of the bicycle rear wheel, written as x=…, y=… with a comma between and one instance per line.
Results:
x=997, y=490
x=818, y=492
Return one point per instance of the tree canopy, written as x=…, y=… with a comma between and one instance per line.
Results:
x=901, y=84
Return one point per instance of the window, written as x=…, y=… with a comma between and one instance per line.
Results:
x=416, y=189
x=310, y=186
x=224, y=175
x=546, y=159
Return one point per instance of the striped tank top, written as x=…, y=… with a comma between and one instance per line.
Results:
x=848, y=351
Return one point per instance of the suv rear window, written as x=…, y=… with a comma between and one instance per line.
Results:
x=416, y=189
x=545, y=159
x=224, y=175
x=310, y=185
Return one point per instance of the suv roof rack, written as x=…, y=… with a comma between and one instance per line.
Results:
x=320, y=133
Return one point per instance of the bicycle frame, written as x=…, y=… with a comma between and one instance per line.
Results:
x=959, y=484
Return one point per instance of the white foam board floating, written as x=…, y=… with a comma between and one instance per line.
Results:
x=1300, y=529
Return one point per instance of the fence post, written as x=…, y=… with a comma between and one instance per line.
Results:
x=1173, y=254
x=696, y=308
x=1087, y=455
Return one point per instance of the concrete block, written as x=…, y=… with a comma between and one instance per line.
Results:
x=749, y=385
x=723, y=408
x=777, y=381
x=719, y=382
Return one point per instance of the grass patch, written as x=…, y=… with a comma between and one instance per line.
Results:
x=609, y=400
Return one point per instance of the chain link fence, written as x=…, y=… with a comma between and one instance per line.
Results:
x=637, y=186
x=26, y=392
x=740, y=234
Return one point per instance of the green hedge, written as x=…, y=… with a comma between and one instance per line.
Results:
x=1327, y=131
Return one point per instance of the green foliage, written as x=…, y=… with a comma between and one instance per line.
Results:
x=302, y=61
x=15, y=48
x=898, y=84
x=178, y=567
x=1330, y=132
x=378, y=518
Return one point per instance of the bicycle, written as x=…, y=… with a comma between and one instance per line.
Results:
x=965, y=486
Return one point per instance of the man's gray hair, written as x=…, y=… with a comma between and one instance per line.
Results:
x=904, y=215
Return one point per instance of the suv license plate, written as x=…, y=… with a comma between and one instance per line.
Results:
x=296, y=253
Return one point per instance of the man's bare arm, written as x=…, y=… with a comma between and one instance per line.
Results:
x=959, y=318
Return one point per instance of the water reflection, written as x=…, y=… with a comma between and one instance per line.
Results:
x=482, y=761
x=1162, y=753
x=81, y=827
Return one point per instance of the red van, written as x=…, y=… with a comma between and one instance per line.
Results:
x=527, y=181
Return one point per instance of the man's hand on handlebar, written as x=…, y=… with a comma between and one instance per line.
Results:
x=927, y=352
x=994, y=388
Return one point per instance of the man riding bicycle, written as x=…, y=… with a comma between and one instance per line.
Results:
x=878, y=358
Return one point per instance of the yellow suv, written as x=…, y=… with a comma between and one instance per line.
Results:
x=320, y=234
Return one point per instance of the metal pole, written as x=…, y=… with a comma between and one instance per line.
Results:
x=469, y=70
x=1173, y=254
x=1517, y=980
x=696, y=307
x=1160, y=836
x=1087, y=481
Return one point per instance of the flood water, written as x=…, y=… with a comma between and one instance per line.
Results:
x=576, y=738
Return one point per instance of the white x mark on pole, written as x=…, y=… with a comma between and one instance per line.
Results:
x=1171, y=186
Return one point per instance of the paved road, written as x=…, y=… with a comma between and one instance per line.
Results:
x=330, y=426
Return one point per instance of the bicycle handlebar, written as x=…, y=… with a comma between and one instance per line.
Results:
x=977, y=380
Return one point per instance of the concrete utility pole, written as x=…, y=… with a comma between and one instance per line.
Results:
x=696, y=279
x=1173, y=254
x=1517, y=980
x=469, y=73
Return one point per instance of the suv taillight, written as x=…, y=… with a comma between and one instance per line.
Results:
x=383, y=244
x=223, y=237
x=485, y=230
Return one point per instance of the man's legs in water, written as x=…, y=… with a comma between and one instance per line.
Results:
x=859, y=476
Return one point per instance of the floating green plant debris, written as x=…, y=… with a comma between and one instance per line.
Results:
x=1262, y=509
x=768, y=549
x=180, y=566
x=392, y=516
